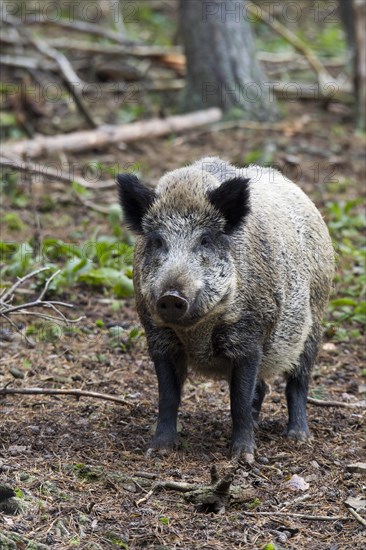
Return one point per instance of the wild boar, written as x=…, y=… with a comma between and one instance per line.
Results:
x=232, y=272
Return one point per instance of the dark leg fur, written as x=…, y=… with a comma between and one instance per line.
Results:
x=242, y=390
x=297, y=389
x=260, y=392
x=171, y=377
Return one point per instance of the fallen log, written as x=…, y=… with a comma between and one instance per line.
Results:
x=107, y=135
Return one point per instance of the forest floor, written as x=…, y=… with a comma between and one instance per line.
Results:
x=78, y=466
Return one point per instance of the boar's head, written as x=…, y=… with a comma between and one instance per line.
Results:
x=186, y=230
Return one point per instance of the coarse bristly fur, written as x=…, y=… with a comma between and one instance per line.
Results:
x=251, y=258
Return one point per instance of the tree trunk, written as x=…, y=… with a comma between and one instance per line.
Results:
x=353, y=15
x=359, y=8
x=222, y=70
x=348, y=21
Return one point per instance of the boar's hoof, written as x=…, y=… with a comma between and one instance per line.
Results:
x=243, y=453
x=162, y=444
x=152, y=451
x=299, y=435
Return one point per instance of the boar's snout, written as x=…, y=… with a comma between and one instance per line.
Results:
x=172, y=306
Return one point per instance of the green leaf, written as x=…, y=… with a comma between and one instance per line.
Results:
x=124, y=287
x=339, y=302
x=110, y=277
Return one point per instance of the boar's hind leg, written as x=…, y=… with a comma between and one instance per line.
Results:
x=242, y=388
x=260, y=392
x=171, y=377
x=297, y=389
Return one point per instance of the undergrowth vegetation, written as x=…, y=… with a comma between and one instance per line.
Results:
x=347, y=222
x=104, y=262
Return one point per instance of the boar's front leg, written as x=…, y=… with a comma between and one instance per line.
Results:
x=242, y=390
x=171, y=375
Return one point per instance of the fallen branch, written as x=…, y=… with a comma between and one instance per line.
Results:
x=283, y=90
x=299, y=90
x=206, y=498
x=325, y=79
x=213, y=497
x=80, y=26
x=160, y=52
x=322, y=403
x=107, y=135
x=52, y=391
x=247, y=125
x=134, y=50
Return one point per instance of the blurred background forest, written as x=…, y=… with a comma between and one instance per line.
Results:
x=89, y=89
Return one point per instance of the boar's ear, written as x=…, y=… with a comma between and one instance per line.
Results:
x=232, y=200
x=135, y=200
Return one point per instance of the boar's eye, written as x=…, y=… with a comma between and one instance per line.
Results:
x=205, y=240
x=157, y=241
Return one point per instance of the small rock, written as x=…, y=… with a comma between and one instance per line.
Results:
x=16, y=373
x=297, y=483
x=35, y=429
x=130, y=487
x=329, y=346
x=18, y=449
x=281, y=537
x=357, y=503
x=293, y=159
x=311, y=477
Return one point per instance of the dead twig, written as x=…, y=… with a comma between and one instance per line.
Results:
x=357, y=516
x=307, y=517
x=68, y=75
x=7, y=294
x=75, y=392
x=28, y=63
x=20, y=166
x=22, y=334
x=7, y=309
x=323, y=403
x=146, y=497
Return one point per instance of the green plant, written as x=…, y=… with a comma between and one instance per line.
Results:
x=123, y=338
x=103, y=262
x=13, y=221
x=347, y=222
